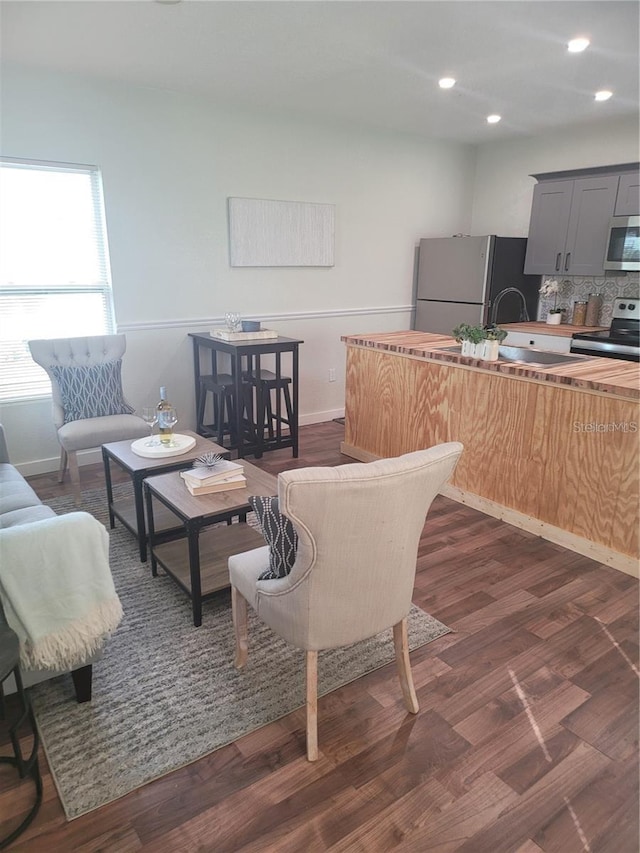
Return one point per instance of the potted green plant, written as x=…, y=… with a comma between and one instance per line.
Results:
x=551, y=287
x=491, y=346
x=479, y=341
x=470, y=337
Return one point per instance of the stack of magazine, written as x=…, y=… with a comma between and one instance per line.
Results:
x=223, y=476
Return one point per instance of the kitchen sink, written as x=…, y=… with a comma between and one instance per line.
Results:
x=526, y=355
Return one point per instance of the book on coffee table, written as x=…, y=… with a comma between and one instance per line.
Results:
x=222, y=470
x=238, y=482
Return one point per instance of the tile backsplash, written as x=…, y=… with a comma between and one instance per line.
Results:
x=577, y=289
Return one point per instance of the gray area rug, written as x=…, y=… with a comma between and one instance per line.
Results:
x=166, y=693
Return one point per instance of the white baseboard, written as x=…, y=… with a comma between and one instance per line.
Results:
x=46, y=466
x=90, y=457
x=320, y=417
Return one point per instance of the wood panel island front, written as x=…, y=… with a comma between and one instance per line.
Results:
x=551, y=450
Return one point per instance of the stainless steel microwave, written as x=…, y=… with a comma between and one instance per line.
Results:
x=623, y=244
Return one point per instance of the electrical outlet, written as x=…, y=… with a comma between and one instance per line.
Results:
x=332, y=374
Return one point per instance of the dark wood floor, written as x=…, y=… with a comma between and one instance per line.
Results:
x=526, y=739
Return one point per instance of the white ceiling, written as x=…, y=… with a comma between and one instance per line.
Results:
x=373, y=63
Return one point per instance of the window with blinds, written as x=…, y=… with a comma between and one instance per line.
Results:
x=54, y=265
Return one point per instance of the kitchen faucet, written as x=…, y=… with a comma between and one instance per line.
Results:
x=524, y=314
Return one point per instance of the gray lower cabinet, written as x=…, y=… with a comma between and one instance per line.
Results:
x=568, y=227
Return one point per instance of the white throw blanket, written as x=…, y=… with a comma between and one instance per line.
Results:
x=57, y=591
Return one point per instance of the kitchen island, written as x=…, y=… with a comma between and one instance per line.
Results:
x=552, y=450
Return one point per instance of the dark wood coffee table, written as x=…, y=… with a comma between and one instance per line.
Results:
x=196, y=558
x=130, y=511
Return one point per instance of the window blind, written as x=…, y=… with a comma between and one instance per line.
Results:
x=54, y=266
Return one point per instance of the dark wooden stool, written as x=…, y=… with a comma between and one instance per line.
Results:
x=10, y=665
x=222, y=387
x=267, y=384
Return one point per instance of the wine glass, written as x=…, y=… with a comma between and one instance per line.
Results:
x=167, y=419
x=233, y=320
x=150, y=417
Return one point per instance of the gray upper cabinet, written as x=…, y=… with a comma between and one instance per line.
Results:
x=592, y=206
x=570, y=218
x=548, y=227
x=628, y=200
x=568, y=226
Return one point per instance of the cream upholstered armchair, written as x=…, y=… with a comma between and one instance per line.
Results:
x=89, y=408
x=358, y=530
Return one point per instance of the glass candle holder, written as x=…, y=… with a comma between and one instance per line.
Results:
x=579, y=313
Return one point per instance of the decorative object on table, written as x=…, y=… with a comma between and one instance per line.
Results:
x=167, y=418
x=480, y=341
x=551, y=287
x=180, y=444
x=208, y=460
x=150, y=417
x=250, y=326
x=233, y=321
x=222, y=470
x=225, y=335
x=579, y=313
x=594, y=306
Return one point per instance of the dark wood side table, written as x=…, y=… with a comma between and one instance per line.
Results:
x=196, y=558
x=251, y=351
x=131, y=512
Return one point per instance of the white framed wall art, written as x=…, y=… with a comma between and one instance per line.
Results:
x=270, y=233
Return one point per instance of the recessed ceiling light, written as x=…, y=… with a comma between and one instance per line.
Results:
x=446, y=83
x=603, y=95
x=493, y=119
x=578, y=45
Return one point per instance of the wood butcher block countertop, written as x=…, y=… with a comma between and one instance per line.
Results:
x=564, y=330
x=604, y=375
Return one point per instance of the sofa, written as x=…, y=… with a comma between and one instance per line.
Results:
x=56, y=589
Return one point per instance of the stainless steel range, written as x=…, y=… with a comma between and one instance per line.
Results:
x=621, y=340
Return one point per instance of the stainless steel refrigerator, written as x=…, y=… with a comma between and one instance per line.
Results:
x=460, y=280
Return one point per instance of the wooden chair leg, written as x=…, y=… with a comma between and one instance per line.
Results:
x=401, y=643
x=74, y=474
x=63, y=465
x=312, y=706
x=239, y=613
